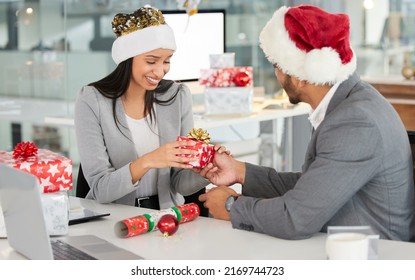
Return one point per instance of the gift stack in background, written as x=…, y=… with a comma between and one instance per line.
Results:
x=228, y=89
x=228, y=93
x=54, y=173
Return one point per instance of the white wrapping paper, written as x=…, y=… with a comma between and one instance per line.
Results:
x=228, y=100
x=56, y=211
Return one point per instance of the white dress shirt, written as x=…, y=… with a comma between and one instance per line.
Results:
x=317, y=116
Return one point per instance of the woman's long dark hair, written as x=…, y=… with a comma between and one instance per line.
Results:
x=116, y=84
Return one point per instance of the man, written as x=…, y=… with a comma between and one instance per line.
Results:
x=357, y=169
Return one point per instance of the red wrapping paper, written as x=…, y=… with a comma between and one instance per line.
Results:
x=205, y=151
x=54, y=171
x=227, y=77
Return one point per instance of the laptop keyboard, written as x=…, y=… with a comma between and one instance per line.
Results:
x=64, y=251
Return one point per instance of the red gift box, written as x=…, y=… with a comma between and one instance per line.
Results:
x=54, y=171
x=241, y=76
x=205, y=152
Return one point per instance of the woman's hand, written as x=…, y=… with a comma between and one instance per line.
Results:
x=173, y=154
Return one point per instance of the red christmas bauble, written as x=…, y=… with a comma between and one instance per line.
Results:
x=168, y=225
x=241, y=79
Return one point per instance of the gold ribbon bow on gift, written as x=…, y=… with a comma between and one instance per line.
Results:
x=199, y=135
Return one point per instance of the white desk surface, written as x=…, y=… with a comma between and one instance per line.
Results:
x=59, y=113
x=259, y=114
x=207, y=239
x=200, y=120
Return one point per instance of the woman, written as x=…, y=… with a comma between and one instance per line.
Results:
x=126, y=123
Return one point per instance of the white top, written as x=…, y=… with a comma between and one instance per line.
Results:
x=317, y=116
x=145, y=140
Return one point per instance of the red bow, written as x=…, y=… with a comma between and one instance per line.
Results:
x=24, y=150
x=241, y=79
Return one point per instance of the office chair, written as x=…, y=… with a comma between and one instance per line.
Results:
x=411, y=136
x=194, y=198
x=82, y=187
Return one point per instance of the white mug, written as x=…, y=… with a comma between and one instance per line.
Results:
x=347, y=246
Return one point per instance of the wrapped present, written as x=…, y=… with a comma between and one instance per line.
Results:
x=54, y=173
x=241, y=76
x=56, y=212
x=228, y=101
x=228, y=91
x=205, y=150
x=223, y=60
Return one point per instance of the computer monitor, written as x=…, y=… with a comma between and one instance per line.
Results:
x=197, y=37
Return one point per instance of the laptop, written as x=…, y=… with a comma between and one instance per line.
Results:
x=26, y=227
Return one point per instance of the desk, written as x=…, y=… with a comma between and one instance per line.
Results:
x=259, y=114
x=276, y=117
x=207, y=239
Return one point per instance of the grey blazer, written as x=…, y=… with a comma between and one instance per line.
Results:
x=357, y=171
x=106, y=153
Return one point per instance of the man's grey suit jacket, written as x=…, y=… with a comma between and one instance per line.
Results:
x=357, y=171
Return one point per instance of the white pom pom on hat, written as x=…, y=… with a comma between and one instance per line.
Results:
x=310, y=44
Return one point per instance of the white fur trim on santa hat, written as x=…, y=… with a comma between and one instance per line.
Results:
x=142, y=41
x=319, y=66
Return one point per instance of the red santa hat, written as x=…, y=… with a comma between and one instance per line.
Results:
x=310, y=44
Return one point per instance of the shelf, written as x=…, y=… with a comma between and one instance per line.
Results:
x=400, y=93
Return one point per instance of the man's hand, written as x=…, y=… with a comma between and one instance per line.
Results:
x=224, y=170
x=215, y=200
x=218, y=150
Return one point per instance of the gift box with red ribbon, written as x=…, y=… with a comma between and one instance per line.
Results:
x=241, y=76
x=54, y=173
x=53, y=170
x=228, y=91
x=205, y=150
x=223, y=60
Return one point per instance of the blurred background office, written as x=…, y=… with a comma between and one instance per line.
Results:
x=49, y=49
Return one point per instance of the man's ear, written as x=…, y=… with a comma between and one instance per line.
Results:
x=296, y=82
x=301, y=83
